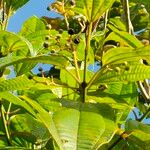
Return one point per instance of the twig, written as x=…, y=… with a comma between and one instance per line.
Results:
x=144, y=115
x=75, y=62
x=135, y=115
x=129, y=26
x=143, y=91
x=87, y=48
x=106, y=20
x=5, y=124
x=116, y=142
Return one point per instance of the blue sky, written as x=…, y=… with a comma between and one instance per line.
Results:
x=33, y=7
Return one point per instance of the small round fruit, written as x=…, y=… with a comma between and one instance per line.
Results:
x=58, y=37
x=46, y=44
x=145, y=62
x=127, y=68
x=48, y=27
x=72, y=2
x=49, y=8
x=40, y=69
x=30, y=77
x=60, y=31
x=71, y=31
x=76, y=41
x=47, y=37
x=117, y=69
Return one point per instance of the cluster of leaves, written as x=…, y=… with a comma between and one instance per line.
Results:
x=70, y=106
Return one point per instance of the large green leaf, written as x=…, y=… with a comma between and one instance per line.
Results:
x=53, y=60
x=119, y=73
x=81, y=126
x=122, y=54
x=13, y=42
x=46, y=119
x=119, y=96
x=92, y=9
x=74, y=126
x=40, y=113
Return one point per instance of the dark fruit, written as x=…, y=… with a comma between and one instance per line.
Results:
x=58, y=37
x=145, y=62
x=48, y=8
x=71, y=31
x=127, y=68
x=30, y=77
x=48, y=26
x=72, y=2
x=40, y=69
x=52, y=51
x=46, y=44
x=76, y=41
x=47, y=37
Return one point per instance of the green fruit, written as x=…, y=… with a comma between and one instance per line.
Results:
x=60, y=31
x=48, y=27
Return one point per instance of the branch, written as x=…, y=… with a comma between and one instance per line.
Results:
x=87, y=48
x=116, y=142
x=129, y=27
x=135, y=115
x=75, y=62
x=144, y=115
x=5, y=124
x=143, y=90
x=106, y=19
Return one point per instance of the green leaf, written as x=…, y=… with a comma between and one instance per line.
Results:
x=118, y=23
x=46, y=119
x=139, y=133
x=117, y=93
x=37, y=39
x=13, y=42
x=24, y=126
x=132, y=125
x=145, y=2
x=82, y=126
x=53, y=60
x=135, y=72
x=129, y=39
x=74, y=126
x=124, y=54
x=92, y=9
x=18, y=83
x=31, y=25
x=17, y=101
